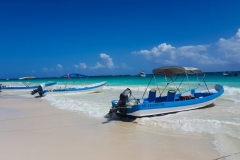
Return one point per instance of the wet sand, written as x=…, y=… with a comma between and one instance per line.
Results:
x=31, y=128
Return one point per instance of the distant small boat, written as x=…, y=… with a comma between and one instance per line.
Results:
x=25, y=84
x=229, y=74
x=226, y=74
x=142, y=74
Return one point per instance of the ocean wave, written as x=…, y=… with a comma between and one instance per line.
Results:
x=91, y=108
x=231, y=93
x=122, y=88
x=194, y=125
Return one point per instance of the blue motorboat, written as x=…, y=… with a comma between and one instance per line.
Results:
x=25, y=84
x=173, y=101
x=71, y=88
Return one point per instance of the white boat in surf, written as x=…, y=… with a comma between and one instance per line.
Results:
x=142, y=74
x=230, y=74
x=174, y=101
x=226, y=74
x=72, y=88
x=25, y=84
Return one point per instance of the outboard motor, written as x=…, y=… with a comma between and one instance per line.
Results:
x=39, y=90
x=121, y=105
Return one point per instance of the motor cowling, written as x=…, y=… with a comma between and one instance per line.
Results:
x=39, y=90
x=123, y=99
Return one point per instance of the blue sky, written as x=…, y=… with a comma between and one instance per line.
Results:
x=102, y=37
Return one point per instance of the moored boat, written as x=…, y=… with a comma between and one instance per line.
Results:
x=72, y=88
x=226, y=74
x=173, y=101
x=142, y=74
x=25, y=84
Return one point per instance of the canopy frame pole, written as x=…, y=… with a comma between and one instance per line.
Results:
x=85, y=80
x=164, y=89
x=156, y=83
x=72, y=83
x=180, y=84
x=26, y=84
x=65, y=83
x=147, y=86
x=175, y=84
x=188, y=81
x=205, y=84
x=198, y=79
x=165, y=86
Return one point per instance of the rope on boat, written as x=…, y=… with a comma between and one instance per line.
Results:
x=226, y=156
x=114, y=110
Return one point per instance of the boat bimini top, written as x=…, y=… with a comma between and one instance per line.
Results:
x=24, y=78
x=171, y=71
x=71, y=75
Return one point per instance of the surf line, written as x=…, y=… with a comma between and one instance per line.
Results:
x=226, y=156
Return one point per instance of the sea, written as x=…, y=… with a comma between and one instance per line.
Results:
x=222, y=120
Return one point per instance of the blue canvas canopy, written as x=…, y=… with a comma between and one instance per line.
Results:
x=74, y=75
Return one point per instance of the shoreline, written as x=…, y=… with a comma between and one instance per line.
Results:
x=32, y=128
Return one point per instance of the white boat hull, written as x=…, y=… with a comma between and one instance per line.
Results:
x=142, y=113
x=97, y=87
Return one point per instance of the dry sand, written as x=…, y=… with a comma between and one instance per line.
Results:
x=32, y=129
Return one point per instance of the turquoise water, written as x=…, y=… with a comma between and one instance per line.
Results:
x=128, y=80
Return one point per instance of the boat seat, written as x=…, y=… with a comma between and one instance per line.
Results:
x=152, y=95
x=170, y=95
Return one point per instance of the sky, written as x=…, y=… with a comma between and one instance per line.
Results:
x=49, y=38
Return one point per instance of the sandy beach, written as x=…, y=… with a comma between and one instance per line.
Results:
x=31, y=128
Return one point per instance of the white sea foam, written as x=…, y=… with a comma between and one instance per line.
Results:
x=133, y=88
x=194, y=125
x=231, y=93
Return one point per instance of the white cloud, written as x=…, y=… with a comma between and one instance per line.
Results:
x=107, y=59
x=98, y=65
x=59, y=67
x=230, y=48
x=81, y=65
x=238, y=33
x=125, y=66
x=45, y=69
x=165, y=54
x=157, y=51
